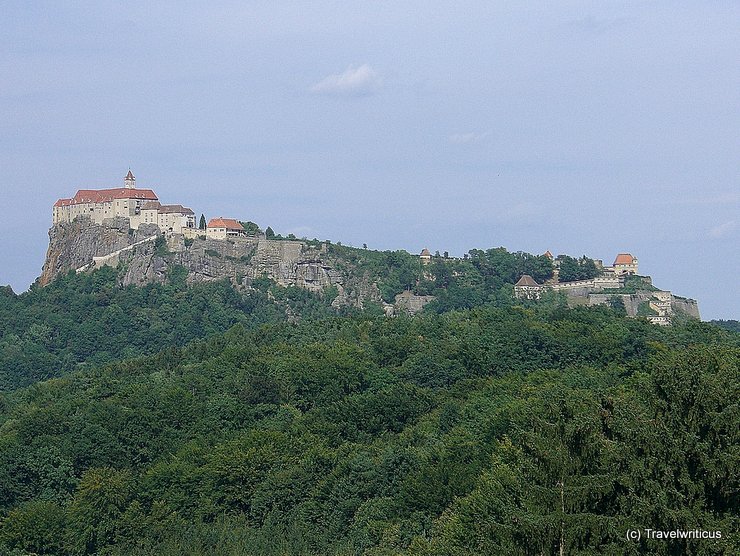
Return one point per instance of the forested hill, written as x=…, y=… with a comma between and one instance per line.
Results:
x=83, y=319
x=493, y=430
x=92, y=319
x=205, y=418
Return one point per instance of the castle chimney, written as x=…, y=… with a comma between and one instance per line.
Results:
x=129, y=182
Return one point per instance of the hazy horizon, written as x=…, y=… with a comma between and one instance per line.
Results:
x=580, y=128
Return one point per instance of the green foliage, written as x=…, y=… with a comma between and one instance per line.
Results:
x=36, y=527
x=485, y=431
x=160, y=246
x=177, y=275
x=484, y=277
x=100, y=501
x=576, y=269
x=202, y=224
x=644, y=309
x=269, y=233
x=616, y=302
x=393, y=271
x=91, y=319
x=203, y=420
x=251, y=228
x=731, y=325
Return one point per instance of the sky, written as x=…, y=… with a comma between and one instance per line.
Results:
x=580, y=127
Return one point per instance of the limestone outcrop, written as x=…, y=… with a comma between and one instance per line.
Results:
x=73, y=245
x=146, y=255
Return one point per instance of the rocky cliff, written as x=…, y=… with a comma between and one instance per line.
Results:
x=145, y=256
x=73, y=245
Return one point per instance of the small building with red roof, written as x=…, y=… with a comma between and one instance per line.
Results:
x=625, y=263
x=222, y=228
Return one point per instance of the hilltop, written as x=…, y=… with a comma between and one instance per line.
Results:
x=147, y=242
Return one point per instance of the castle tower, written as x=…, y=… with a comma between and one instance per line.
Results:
x=129, y=182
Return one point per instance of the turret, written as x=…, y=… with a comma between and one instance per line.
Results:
x=129, y=182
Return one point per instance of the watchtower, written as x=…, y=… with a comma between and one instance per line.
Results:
x=129, y=182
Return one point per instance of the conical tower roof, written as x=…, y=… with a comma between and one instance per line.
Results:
x=526, y=280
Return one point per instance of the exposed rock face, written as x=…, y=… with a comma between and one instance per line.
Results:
x=412, y=303
x=83, y=245
x=73, y=245
x=145, y=256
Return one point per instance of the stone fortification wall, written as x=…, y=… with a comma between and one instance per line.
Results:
x=576, y=291
x=631, y=301
x=663, y=303
x=145, y=255
x=686, y=306
x=578, y=287
x=410, y=303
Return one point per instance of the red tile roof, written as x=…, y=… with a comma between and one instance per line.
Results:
x=425, y=253
x=548, y=254
x=228, y=223
x=624, y=258
x=106, y=196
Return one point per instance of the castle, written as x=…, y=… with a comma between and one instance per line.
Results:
x=609, y=277
x=656, y=305
x=140, y=218
x=140, y=206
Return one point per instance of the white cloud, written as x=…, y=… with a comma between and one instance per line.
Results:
x=722, y=230
x=469, y=137
x=354, y=81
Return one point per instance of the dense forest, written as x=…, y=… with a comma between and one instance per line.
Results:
x=175, y=419
x=91, y=320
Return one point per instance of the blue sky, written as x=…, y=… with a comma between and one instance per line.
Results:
x=580, y=127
